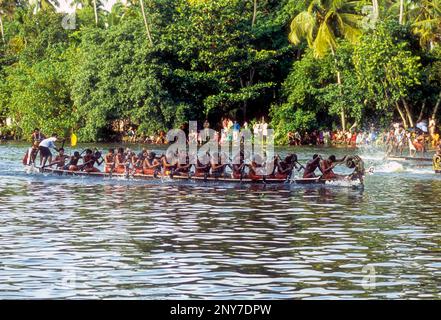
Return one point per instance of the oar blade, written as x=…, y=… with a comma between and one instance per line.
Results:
x=73, y=140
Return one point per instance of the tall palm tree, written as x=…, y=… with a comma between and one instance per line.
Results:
x=44, y=4
x=401, y=18
x=95, y=11
x=130, y=4
x=426, y=17
x=7, y=8
x=97, y=6
x=322, y=23
x=376, y=8
x=115, y=15
x=147, y=26
x=400, y=9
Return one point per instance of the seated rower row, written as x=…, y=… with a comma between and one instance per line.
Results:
x=214, y=165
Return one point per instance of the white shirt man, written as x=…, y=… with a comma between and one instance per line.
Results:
x=48, y=143
x=45, y=152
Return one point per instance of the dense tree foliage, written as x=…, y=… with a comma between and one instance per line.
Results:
x=155, y=64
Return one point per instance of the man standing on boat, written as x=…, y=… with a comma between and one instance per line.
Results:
x=45, y=146
x=37, y=136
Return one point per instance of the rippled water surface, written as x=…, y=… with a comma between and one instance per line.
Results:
x=92, y=238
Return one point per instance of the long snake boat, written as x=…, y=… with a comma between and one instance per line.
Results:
x=356, y=177
x=419, y=162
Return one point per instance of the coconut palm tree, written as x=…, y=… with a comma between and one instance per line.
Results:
x=130, y=5
x=147, y=27
x=44, y=4
x=7, y=8
x=426, y=17
x=322, y=23
x=115, y=15
x=400, y=9
x=97, y=6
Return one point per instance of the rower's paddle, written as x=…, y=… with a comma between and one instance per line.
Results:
x=85, y=164
x=73, y=140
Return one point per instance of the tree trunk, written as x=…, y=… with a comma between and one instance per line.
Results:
x=342, y=113
x=147, y=28
x=339, y=82
x=423, y=108
x=403, y=117
x=95, y=10
x=401, y=20
x=376, y=9
x=2, y=30
x=438, y=102
x=409, y=113
x=254, y=13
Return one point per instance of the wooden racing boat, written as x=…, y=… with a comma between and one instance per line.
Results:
x=224, y=179
x=419, y=162
x=415, y=159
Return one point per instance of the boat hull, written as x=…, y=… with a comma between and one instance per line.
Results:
x=59, y=172
x=409, y=159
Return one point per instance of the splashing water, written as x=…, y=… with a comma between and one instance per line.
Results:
x=389, y=167
x=344, y=183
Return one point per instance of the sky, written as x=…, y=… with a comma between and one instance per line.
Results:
x=65, y=5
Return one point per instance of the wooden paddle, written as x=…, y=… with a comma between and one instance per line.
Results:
x=73, y=140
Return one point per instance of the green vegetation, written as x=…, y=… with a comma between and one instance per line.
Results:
x=155, y=64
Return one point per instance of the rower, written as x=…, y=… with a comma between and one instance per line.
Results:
x=286, y=166
x=131, y=161
x=327, y=166
x=120, y=160
x=169, y=167
x=73, y=162
x=255, y=168
x=89, y=161
x=202, y=168
x=238, y=166
x=183, y=166
x=138, y=164
x=128, y=157
x=217, y=165
x=45, y=146
x=138, y=160
x=151, y=165
x=109, y=160
x=60, y=159
x=311, y=166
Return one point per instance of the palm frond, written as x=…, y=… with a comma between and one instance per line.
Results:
x=302, y=27
x=324, y=41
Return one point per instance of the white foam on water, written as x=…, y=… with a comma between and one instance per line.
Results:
x=31, y=170
x=389, y=167
x=371, y=153
x=420, y=171
x=344, y=183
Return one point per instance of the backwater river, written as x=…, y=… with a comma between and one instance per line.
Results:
x=81, y=238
